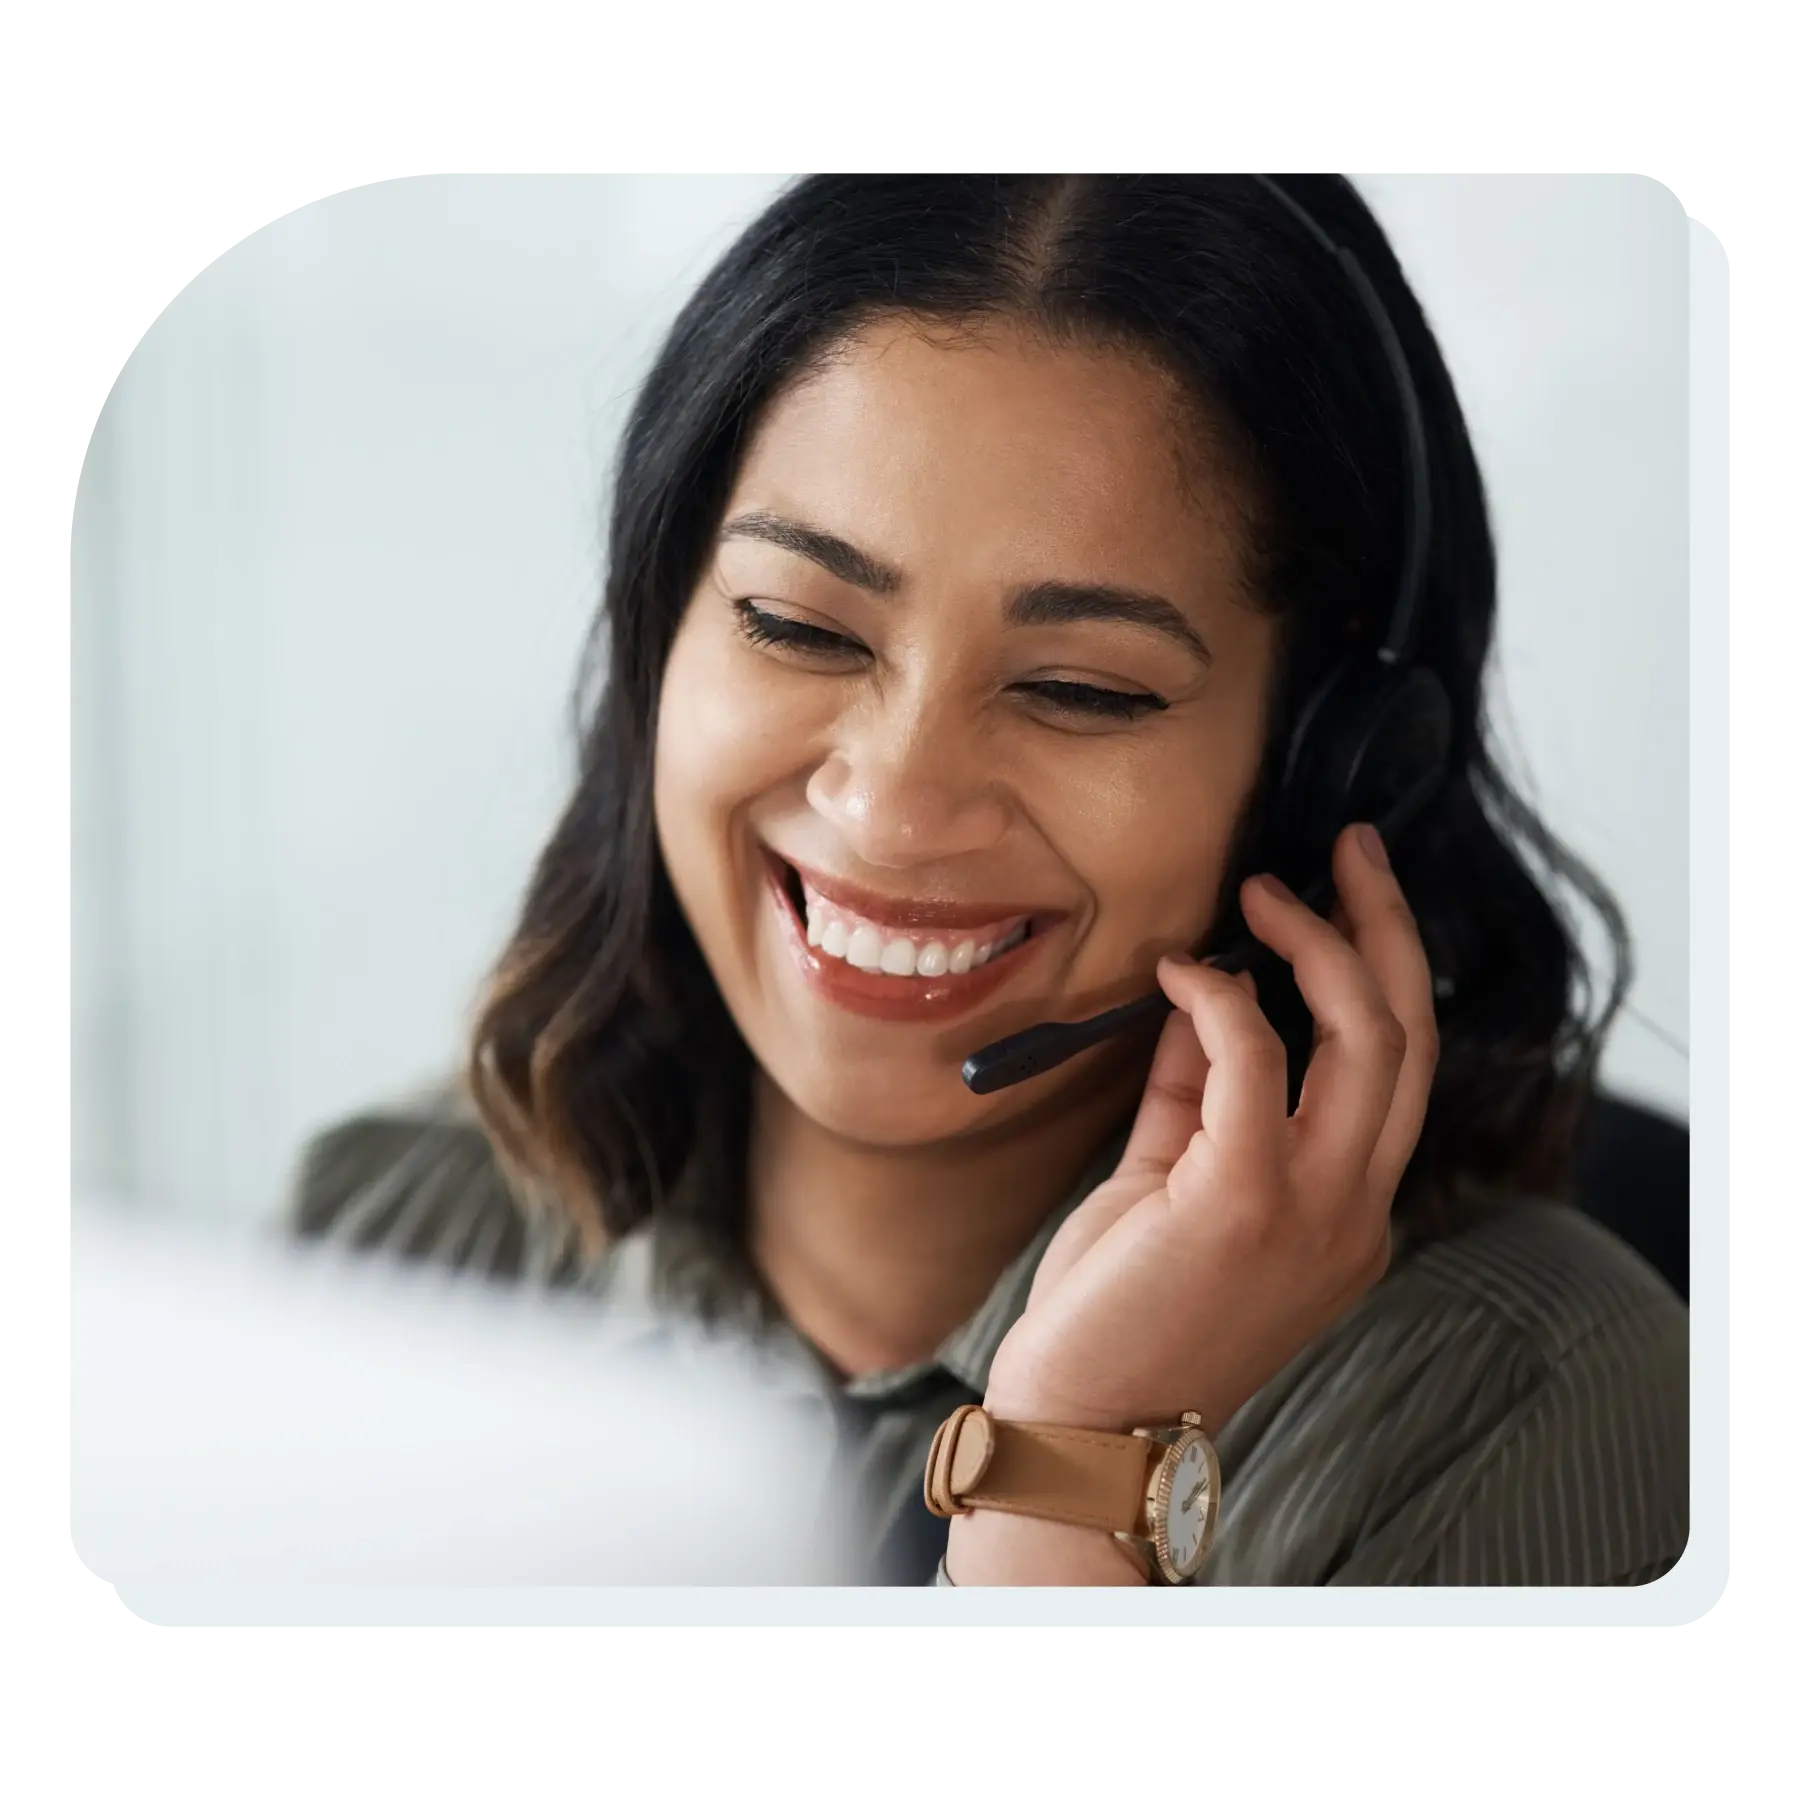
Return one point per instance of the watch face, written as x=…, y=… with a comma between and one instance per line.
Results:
x=1193, y=1495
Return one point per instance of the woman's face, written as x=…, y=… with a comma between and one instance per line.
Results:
x=971, y=654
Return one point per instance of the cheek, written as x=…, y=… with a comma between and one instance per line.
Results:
x=723, y=741
x=1156, y=866
x=1155, y=836
x=710, y=718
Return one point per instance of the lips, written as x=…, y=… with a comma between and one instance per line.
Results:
x=915, y=915
x=898, y=999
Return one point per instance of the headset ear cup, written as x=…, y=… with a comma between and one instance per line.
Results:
x=1301, y=829
x=1368, y=738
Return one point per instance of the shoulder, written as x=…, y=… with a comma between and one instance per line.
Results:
x=418, y=1179
x=1529, y=1294
x=1545, y=1278
x=1583, y=1478
x=1509, y=1405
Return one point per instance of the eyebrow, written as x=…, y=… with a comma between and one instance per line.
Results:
x=1042, y=603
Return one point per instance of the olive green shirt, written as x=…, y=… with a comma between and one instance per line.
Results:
x=1506, y=1406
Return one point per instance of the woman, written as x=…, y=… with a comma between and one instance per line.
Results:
x=976, y=543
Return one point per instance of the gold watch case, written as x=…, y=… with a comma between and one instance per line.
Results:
x=1152, y=1544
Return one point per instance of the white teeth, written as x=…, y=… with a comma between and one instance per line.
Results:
x=899, y=957
x=988, y=952
x=934, y=959
x=867, y=946
x=864, y=951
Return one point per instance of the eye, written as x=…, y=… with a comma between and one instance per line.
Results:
x=1084, y=699
x=762, y=627
x=1075, y=699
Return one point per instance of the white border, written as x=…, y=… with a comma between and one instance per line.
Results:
x=1685, y=1595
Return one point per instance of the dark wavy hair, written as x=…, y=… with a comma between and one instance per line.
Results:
x=605, y=1067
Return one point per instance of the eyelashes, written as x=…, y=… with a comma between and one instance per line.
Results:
x=769, y=628
x=1076, y=697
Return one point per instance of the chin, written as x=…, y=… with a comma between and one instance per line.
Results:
x=895, y=1102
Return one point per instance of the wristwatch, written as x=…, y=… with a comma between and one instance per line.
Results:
x=1155, y=1490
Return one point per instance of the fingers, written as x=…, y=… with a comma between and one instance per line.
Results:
x=1220, y=1069
x=1169, y=1113
x=1243, y=1102
x=1340, y=923
x=1344, y=973
x=1386, y=937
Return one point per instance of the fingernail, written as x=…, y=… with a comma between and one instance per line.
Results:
x=1274, y=885
x=1179, y=958
x=1369, y=841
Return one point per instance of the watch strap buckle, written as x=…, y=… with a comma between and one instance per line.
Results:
x=960, y=1453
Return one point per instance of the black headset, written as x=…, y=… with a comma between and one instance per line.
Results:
x=1371, y=742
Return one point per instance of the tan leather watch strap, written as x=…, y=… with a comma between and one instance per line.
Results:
x=1095, y=1478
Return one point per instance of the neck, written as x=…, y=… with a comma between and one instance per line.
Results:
x=877, y=1253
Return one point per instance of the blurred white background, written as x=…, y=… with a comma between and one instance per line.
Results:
x=251, y=1418
x=337, y=542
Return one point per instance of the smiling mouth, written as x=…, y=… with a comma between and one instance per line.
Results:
x=917, y=953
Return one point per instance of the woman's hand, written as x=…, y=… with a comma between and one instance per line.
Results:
x=1231, y=1234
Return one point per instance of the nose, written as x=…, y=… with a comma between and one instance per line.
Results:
x=906, y=784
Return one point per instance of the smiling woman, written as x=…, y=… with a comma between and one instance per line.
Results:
x=976, y=545
x=932, y=661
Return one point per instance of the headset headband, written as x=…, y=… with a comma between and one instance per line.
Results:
x=1402, y=622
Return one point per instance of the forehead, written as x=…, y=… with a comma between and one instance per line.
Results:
x=993, y=448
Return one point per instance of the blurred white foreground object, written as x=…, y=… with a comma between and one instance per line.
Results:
x=298, y=1416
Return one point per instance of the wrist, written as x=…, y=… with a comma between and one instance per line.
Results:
x=1029, y=1398
x=1030, y=1401
x=1044, y=1493
x=1029, y=1406
x=997, y=1549
x=991, y=1546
